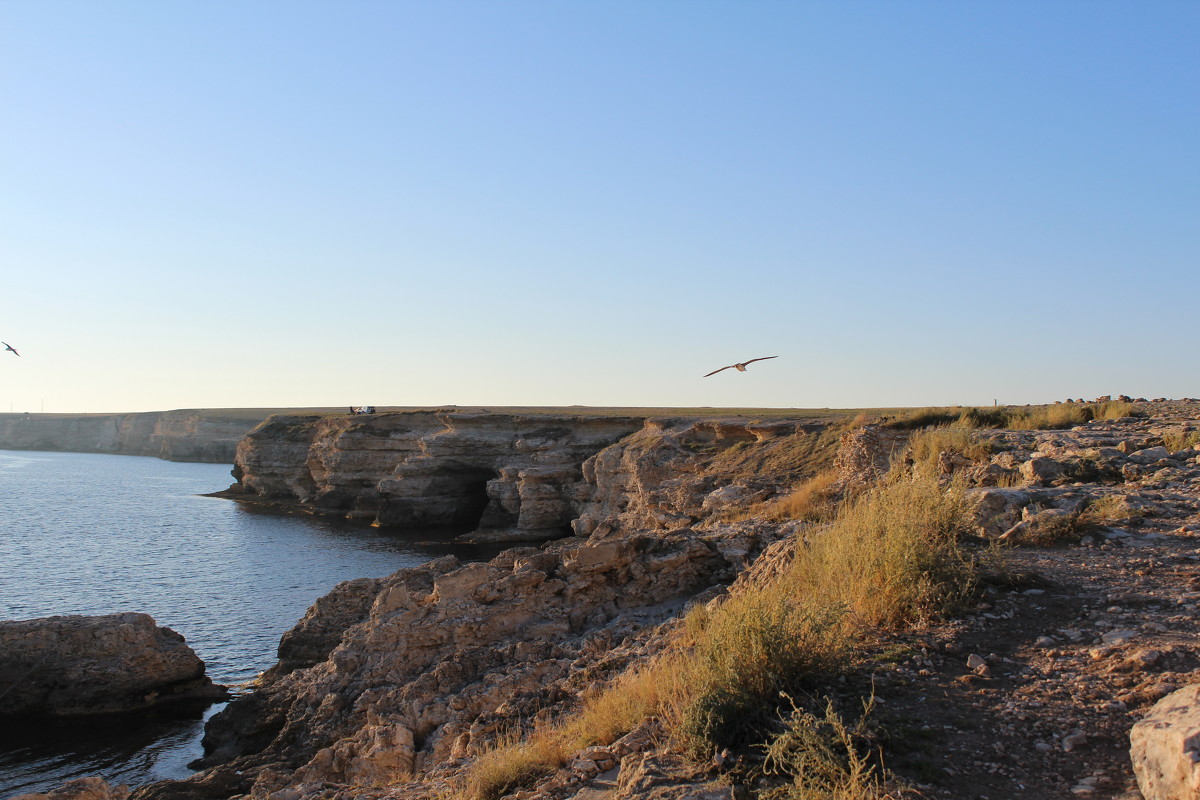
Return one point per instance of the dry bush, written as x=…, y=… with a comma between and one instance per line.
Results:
x=893, y=555
x=757, y=644
x=824, y=757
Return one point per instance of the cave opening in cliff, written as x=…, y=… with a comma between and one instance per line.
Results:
x=475, y=508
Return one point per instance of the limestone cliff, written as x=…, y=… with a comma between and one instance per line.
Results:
x=507, y=475
x=186, y=435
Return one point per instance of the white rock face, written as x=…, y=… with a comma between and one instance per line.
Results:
x=1165, y=747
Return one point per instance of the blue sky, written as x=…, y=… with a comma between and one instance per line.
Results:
x=549, y=203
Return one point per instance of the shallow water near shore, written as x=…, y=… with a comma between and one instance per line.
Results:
x=100, y=534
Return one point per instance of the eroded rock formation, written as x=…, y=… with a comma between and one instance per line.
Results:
x=64, y=666
x=505, y=475
x=517, y=477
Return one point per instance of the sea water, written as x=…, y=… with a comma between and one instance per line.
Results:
x=100, y=534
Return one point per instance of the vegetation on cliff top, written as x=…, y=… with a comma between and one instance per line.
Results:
x=1014, y=417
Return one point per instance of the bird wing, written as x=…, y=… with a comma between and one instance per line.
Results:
x=715, y=371
x=8, y=346
x=751, y=361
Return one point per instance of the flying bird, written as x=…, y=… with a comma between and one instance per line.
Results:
x=742, y=366
x=8, y=346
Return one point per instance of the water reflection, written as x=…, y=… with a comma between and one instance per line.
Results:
x=100, y=534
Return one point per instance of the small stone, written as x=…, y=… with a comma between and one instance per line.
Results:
x=1044, y=641
x=1074, y=741
x=975, y=661
x=1118, y=637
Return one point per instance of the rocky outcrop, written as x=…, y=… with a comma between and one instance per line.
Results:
x=64, y=666
x=448, y=656
x=1165, y=747
x=208, y=436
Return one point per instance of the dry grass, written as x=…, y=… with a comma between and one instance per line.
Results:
x=1025, y=418
x=1115, y=409
x=893, y=555
x=890, y=558
x=927, y=445
x=798, y=455
x=513, y=763
x=1109, y=510
x=812, y=500
x=605, y=716
x=1181, y=440
x=1049, y=417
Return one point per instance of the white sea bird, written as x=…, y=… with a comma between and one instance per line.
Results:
x=740, y=367
x=8, y=346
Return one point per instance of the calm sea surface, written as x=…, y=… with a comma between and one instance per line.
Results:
x=98, y=534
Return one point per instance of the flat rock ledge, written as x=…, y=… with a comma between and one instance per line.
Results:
x=76, y=665
x=1165, y=747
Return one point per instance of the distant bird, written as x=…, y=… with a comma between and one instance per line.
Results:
x=8, y=346
x=742, y=366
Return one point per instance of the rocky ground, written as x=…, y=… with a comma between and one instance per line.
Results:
x=390, y=688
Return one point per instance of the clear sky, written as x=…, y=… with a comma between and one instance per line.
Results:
x=287, y=203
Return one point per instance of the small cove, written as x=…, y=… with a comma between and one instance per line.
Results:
x=100, y=534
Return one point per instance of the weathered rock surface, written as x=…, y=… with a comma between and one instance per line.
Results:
x=173, y=435
x=63, y=666
x=1165, y=747
x=446, y=654
x=505, y=475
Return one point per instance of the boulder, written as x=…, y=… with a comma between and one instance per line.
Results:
x=997, y=510
x=1041, y=470
x=1150, y=455
x=64, y=666
x=1165, y=747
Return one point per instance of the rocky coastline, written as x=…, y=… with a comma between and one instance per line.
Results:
x=184, y=435
x=395, y=687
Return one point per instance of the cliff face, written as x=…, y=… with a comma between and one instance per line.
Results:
x=172, y=435
x=506, y=475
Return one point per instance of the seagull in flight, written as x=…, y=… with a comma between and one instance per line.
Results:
x=741, y=367
x=8, y=346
